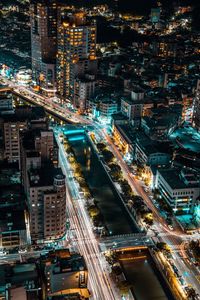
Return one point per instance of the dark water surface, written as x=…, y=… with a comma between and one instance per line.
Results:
x=146, y=284
x=116, y=218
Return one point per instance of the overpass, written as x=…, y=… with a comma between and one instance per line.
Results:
x=51, y=110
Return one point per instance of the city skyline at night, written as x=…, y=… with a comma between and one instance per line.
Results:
x=99, y=150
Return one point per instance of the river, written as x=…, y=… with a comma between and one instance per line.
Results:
x=115, y=216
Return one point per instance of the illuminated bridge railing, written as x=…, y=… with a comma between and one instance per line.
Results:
x=131, y=248
x=129, y=236
x=73, y=131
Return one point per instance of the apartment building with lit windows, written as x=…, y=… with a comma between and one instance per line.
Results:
x=76, y=52
x=13, y=124
x=47, y=203
x=12, y=128
x=13, y=216
x=84, y=89
x=44, y=185
x=44, y=19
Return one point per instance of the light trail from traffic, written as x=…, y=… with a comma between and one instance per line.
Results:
x=87, y=244
x=174, y=238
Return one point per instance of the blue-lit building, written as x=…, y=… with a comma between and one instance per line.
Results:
x=155, y=15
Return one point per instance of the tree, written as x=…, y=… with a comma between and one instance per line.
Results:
x=139, y=170
x=82, y=183
x=115, y=171
x=71, y=159
x=124, y=287
x=163, y=246
x=108, y=156
x=116, y=269
x=115, y=167
x=93, y=211
x=148, y=219
x=101, y=146
x=87, y=193
x=191, y=293
x=130, y=204
x=68, y=149
x=195, y=247
x=126, y=189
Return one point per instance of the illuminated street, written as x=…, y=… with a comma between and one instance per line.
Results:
x=173, y=239
x=100, y=283
x=99, y=150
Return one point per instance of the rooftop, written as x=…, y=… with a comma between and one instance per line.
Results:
x=187, y=138
x=175, y=179
x=128, y=132
x=149, y=146
x=43, y=176
x=30, y=136
x=25, y=113
x=23, y=274
x=9, y=175
x=64, y=270
x=119, y=117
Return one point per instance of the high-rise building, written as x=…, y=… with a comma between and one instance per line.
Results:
x=12, y=126
x=196, y=108
x=76, y=52
x=20, y=281
x=179, y=188
x=14, y=123
x=132, y=109
x=84, y=88
x=44, y=19
x=44, y=185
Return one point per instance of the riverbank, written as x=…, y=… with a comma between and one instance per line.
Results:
x=116, y=218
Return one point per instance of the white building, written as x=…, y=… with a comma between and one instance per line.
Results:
x=179, y=188
x=83, y=89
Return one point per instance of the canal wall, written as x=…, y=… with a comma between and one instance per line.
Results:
x=156, y=268
x=116, y=190
x=115, y=217
x=167, y=276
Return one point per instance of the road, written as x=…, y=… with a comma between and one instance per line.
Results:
x=174, y=239
x=99, y=279
x=48, y=103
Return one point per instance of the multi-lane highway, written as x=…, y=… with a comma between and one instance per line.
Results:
x=87, y=244
x=175, y=239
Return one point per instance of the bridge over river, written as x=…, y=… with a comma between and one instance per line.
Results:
x=125, y=241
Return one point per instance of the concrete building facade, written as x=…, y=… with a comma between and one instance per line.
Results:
x=76, y=52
